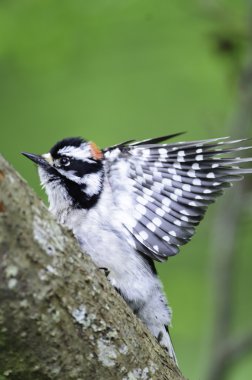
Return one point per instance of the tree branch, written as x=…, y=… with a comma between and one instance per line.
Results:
x=227, y=349
x=59, y=316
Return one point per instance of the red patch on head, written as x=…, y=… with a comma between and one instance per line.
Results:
x=95, y=151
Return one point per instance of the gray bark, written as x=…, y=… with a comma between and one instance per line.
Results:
x=59, y=316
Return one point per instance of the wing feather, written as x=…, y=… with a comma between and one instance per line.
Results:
x=170, y=187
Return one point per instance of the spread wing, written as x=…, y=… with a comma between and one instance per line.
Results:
x=163, y=190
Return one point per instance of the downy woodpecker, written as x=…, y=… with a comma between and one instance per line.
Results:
x=137, y=202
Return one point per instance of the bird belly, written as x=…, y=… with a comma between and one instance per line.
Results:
x=129, y=272
x=102, y=237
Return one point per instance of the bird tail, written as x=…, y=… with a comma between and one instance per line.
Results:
x=167, y=343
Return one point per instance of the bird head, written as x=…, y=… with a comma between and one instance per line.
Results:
x=72, y=170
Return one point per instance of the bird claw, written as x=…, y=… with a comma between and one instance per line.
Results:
x=105, y=270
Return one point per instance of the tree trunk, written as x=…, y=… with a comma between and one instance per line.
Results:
x=59, y=316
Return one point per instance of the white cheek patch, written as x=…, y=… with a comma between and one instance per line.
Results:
x=71, y=174
x=92, y=181
x=43, y=176
x=58, y=197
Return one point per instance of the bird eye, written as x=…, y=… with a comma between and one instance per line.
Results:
x=64, y=161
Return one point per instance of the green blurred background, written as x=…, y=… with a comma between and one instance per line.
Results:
x=112, y=70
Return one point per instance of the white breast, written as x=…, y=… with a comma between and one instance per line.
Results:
x=101, y=234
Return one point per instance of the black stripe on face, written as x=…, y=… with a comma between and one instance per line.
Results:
x=81, y=168
x=75, y=191
x=78, y=195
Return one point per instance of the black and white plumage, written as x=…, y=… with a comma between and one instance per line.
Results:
x=137, y=202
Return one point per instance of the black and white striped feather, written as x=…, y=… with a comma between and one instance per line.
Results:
x=171, y=186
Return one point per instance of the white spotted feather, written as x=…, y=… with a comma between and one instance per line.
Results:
x=171, y=187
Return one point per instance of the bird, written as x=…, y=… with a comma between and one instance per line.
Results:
x=137, y=202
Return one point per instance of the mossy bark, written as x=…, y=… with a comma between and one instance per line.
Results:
x=59, y=316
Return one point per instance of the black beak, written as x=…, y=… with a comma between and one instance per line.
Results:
x=39, y=160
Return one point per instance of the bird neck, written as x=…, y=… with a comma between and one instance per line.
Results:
x=86, y=194
x=65, y=194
